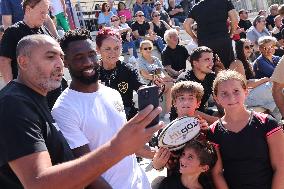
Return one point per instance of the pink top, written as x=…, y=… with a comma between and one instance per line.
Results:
x=126, y=13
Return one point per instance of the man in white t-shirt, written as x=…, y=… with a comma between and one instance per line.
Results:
x=90, y=114
x=58, y=10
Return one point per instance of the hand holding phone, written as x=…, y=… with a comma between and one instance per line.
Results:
x=146, y=96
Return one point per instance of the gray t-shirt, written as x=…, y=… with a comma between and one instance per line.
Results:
x=149, y=67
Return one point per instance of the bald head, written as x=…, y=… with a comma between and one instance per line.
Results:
x=30, y=42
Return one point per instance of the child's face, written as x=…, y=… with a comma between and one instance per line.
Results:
x=123, y=19
x=190, y=163
x=231, y=95
x=186, y=103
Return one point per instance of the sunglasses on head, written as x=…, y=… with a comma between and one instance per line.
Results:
x=156, y=15
x=248, y=46
x=140, y=15
x=147, y=48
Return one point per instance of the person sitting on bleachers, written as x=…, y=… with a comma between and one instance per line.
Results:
x=264, y=65
x=174, y=56
x=164, y=15
x=127, y=42
x=157, y=25
x=141, y=30
x=176, y=13
x=123, y=11
x=260, y=89
x=104, y=16
x=150, y=67
x=244, y=22
x=138, y=6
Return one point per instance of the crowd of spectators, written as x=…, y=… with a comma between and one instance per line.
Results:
x=141, y=45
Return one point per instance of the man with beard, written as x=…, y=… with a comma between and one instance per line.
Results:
x=201, y=60
x=32, y=147
x=89, y=114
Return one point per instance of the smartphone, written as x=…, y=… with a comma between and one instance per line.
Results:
x=149, y=95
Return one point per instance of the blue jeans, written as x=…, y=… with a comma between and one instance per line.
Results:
x=129, y=45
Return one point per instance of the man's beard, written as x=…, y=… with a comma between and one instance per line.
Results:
x=83, y=79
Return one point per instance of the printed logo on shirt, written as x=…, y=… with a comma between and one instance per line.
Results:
x=123, y=87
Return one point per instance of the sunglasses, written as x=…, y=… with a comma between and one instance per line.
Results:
x=115, y=20
x=140, y=15
x=248, y=47
x=157, y=15
x=147, y=48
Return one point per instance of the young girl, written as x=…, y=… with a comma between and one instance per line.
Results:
x=250, y=145
x=197, y=158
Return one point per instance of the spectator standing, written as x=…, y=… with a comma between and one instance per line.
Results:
x=248, y=144
x=139, y=6
x=116, y=74
x=85, y=94
x=37, y=159
x=104, y=16
x=278, y=85
x=58, y=9
x=244, y=22
x=273, y=12
x=12, y=12
x=264, y=65
x=174, y=64
x=212, y=31
x=34, y=18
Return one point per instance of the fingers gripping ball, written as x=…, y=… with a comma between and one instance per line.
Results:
x=178, y=132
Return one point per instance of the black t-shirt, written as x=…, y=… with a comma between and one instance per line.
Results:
x=246, y=24
x=245, y=155
x=207, y=84
x=164, y=16
x=211, y=17
x=12, y=36
x=26, y=127
x=270, y=21
x=174, y=182
x=123, y=78
x=177, y=14
x=160, y=31
x=141, y=28
x=176, y=58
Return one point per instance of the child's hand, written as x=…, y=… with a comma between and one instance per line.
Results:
x=161, y=158
x=203, y=123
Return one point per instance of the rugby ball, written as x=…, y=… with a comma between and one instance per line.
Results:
x=178, y=132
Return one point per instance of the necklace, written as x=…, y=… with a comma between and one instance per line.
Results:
x=107, y=76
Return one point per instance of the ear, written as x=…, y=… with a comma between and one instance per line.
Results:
x=98, y=50
x=215, y=98
x=198, y=104
x=246, y=92
x=204, y=168
x=23, y=62
x=65, y=62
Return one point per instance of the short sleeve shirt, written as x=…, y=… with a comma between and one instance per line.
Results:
x=246, y=153
x=13, y=8
x=278, y=74
x=141, y=28
x=169, y=57
x=150, y=68
x=12, y=36
x=27, y=127
x=124, y=78
x=211, y=17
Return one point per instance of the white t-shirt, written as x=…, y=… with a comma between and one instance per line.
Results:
x=93, y=119
x=56, y=7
